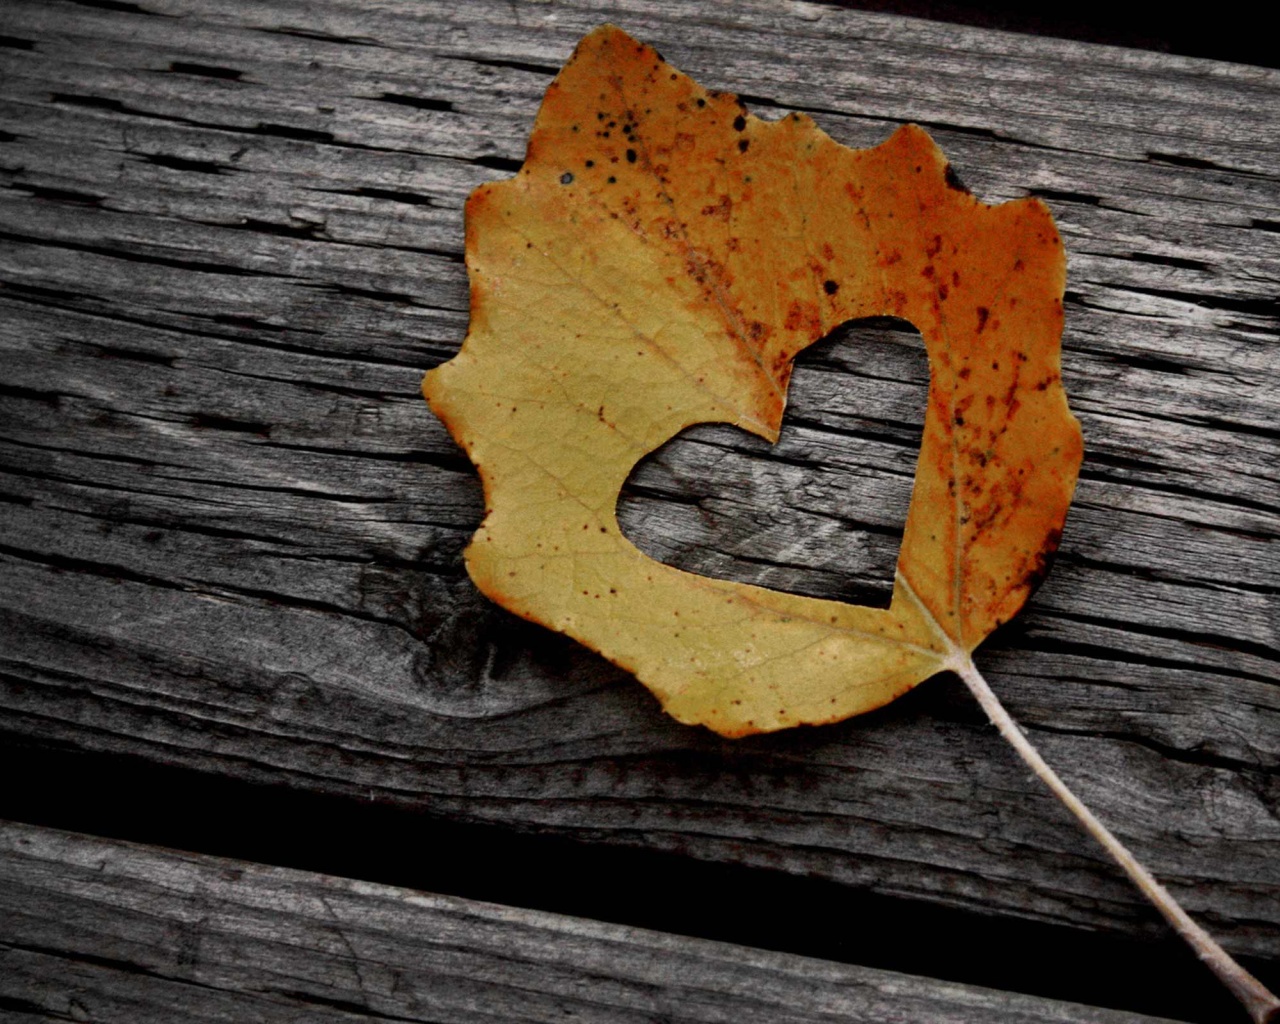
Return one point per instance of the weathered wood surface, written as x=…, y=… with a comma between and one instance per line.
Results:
x=107, y=931
x=231, y=244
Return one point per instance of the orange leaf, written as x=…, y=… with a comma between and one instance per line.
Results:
x=659, y=261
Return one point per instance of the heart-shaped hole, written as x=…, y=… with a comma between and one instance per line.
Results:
x=821, y=513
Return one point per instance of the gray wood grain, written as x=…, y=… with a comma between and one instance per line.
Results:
x=92, y=929
x=230, y=244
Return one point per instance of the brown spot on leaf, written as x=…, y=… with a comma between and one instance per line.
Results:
x=802, y=316
x=722, y=209
x=1041, y=562
x=953, y=180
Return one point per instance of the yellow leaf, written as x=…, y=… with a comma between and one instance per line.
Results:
x=658, y=262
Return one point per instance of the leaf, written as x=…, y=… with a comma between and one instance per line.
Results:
x=659, y=261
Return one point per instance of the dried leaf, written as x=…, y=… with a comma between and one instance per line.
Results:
x=658, y=262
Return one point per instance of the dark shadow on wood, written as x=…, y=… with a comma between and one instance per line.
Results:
x=1186, y=31
x=126, y=798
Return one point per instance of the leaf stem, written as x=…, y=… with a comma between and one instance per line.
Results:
x=1262, y=1005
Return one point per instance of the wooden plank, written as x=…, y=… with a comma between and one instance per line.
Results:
x=231, y=243
x=108, y=931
